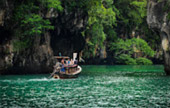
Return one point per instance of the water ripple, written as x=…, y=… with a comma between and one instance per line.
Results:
x=107, y=89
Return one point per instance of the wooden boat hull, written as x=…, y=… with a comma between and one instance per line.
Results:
x=65, y=76
x=68, y=75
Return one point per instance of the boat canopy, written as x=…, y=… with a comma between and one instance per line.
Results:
x=60, y=57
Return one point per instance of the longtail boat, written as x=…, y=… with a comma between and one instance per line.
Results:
x=71, y=71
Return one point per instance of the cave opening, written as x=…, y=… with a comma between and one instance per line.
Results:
x=66, y=42
x=5, y=35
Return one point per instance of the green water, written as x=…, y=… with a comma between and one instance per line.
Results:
x=97, y=86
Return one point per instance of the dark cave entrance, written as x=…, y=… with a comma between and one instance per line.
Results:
x=66, y=42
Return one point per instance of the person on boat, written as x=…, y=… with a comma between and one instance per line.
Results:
x=69, y=62
x=62, y=67
x=59, y=53
x=57, y=67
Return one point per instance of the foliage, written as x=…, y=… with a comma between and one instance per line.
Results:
x=109, y=24
x=100, y=15
x=35, y=25
x=168, y=16
x=115, y=18
x=30, y=23
x=98, y=36
x=20, y=45
x=131, y=14
x=142, y=46
x=56, y=4
x=152, y=38
x=111, y=35
x=167, y=9
x=143, y=61
x=125, y=50
x=130, y=46
x=125, y=59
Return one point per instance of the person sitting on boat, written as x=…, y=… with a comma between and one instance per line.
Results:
x=62, y=67
x=69, y=62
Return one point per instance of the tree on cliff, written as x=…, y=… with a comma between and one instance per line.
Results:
x=108, y=20
x=132, y=51
x=28, y=21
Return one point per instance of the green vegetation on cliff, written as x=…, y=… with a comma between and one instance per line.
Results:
x=132, y=51
x=111, y=20
x=113, y=25
x=29, y=22
x=100, y=17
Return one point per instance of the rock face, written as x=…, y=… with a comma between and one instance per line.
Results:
x=157, y=12
x=39, y=57
x=6, y=55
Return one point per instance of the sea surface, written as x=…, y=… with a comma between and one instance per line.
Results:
x=97, y=86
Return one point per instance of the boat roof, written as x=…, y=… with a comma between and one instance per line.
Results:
x=60, y=57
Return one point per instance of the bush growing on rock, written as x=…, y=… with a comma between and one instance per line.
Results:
x=143, y=61
x=132, y=51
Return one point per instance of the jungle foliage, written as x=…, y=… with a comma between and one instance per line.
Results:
x=28, y=22
x=101, y=15
x=132, y=51
x=111, y=24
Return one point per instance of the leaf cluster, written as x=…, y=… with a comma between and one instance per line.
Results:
x=124, y=51
x=29, y=22
x=100, y=16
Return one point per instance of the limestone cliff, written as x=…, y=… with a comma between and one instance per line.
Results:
x=157, y=19
x=39, y=57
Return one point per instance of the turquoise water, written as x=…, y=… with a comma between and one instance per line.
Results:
x=97, y=86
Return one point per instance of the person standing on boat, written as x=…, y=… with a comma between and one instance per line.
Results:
x=62, y=67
